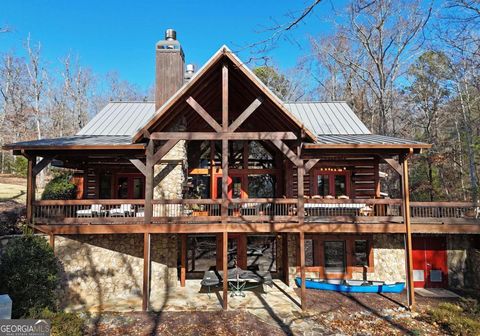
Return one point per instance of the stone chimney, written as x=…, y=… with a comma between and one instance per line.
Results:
x=169, y=66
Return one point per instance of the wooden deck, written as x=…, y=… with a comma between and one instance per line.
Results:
x=253, y=215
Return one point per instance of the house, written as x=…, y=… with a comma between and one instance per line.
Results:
x=218, y=170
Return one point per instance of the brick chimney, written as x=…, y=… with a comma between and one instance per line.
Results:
x=169, y=65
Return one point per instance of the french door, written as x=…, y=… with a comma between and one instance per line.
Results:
x=130, y=186
x=430, y=262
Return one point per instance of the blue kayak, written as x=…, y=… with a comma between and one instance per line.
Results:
x=352, y=286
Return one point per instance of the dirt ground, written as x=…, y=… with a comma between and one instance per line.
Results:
x=370, y=314
x=331, y=314
x=188, y=323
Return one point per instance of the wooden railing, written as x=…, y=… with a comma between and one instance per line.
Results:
x=252, y=210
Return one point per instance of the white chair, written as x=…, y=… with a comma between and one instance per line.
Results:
x=125, y=210
x=95, y=210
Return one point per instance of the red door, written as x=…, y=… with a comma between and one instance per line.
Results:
x=430, y=262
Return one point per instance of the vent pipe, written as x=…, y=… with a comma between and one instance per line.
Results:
x=189, y=72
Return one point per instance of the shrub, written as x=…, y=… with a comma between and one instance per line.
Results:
x=29, y=274
x=457, y=319
x=60, y=188
x=62, y=323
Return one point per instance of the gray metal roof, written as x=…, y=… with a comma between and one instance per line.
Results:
x=126, y=118
x=119, y=118
x=363, y=139
x=328, y=117
x=75, y=140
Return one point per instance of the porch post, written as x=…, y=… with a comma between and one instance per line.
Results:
x=285, y=259
x=148, y=208
x=225, y=269
x=301, y=219
x=303, y=289
x=52, y=241
x=183, y=262
x=31, y=184
x=146, y=271
x=408, y=232
x=225, y=184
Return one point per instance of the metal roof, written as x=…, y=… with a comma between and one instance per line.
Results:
x=75, y=140
x=328, y=117
x=119, y=118
x=126, y=118
x=363, y=139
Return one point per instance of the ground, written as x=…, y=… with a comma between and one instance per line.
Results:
x=328, y=313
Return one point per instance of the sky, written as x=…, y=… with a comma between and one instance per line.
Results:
x=121, y=35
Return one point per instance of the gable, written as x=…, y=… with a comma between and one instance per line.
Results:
x=205, y=90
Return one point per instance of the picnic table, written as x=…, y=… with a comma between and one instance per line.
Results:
x=238, y=280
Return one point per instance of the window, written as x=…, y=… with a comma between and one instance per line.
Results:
x=360, y=253
x=333, y=183
x=334, y=252
x=105, y=189
x=261, y=253
x=309, y=253
x=261, y=186
x=323, y=185
x=200, y=186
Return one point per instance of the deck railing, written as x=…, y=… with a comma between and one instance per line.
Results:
x=251, y=210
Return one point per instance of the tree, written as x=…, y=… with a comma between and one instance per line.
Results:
x=284, y=88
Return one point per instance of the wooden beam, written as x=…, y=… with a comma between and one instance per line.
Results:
x=148, y=209
x=224, y=98
x=224, y=212
x=183, y=261
x=30, y=188
x=394, y=164
x=162, y=151
x=204, y=114
x=146, y=271
x=223, y=135
x=303, y=289
x=310, y=164
x=225, y=269
x=408, y=233
x=140, y=166
x=287, y=152
x=245, y=114
x=41, y=165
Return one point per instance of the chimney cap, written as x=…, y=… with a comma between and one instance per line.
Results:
x=170, y=34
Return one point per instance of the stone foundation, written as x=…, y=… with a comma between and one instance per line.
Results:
x=99, y=268
x=463, y=262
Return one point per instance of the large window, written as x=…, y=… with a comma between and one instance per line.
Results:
x=261, y=252
x=261, y=186
x=334, y=252
x=338, y=255
x=332, y=183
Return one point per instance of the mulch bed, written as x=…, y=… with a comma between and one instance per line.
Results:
x=181, y=323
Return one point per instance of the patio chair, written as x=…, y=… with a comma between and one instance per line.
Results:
x=95, y=210
x=125, y=210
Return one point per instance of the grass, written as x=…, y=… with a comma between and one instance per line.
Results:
x=460, y=319
x=12, y=192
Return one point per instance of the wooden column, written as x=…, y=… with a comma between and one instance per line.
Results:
x=146, y=271
x=183, y=262
x=52, y=241
x=303, y=290
x=408, y=233
x=31, y=183
x=286, y=275
x=148, y=209
x=225, y=269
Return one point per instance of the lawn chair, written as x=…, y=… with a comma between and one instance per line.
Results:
x=125, y=210
x=95, y=210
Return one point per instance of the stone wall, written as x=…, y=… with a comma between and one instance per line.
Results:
x=170, y=177
x=463, y=261
x=98, y=269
